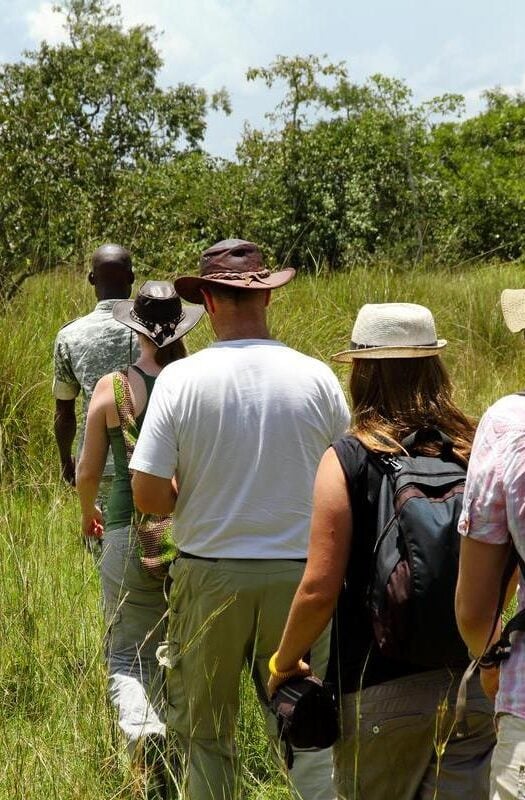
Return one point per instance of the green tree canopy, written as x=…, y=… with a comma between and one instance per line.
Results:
x=346, y=172
x=73, y=117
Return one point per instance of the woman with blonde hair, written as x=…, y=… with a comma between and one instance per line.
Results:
x=398, y=740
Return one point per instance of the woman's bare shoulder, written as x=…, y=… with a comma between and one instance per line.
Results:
x=103, y=397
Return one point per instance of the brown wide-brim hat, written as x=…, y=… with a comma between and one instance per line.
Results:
x=234, y=263
x=513, y=307
x=157, y=313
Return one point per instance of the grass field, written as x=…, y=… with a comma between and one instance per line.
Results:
x=58, y=739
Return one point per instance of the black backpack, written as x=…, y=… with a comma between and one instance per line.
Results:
x=416, y=553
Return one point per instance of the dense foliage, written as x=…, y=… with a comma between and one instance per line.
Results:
x=75, y=119
x=92, y=149
x=360, y=171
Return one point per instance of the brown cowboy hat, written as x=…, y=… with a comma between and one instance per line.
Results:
x=235, y=263
x=158, y=313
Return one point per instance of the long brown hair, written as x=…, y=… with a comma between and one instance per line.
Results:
x=392, y=398
x=172, y=352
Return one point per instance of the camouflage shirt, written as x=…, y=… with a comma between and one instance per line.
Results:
x=86, y=349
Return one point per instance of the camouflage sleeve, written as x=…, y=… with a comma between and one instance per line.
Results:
x=65, y=384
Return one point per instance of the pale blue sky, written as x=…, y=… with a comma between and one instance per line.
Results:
x=435, y=45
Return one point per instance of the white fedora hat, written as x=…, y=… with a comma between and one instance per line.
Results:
x=392, y=330
x=513, y=307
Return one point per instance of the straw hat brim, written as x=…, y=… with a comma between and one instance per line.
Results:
x=189, y=286
x=417, y=351
x=191, y=315
x=513, y=308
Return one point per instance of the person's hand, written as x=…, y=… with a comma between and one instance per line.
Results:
x=93, y=525
x=489, y=679
x=68, y=471
x=303, y=670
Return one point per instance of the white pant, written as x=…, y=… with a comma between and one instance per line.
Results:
x=507, y=771
x=135, y=614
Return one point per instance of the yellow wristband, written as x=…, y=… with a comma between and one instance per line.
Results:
x=282, y=675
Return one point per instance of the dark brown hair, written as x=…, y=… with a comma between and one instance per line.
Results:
x=392, y=398
x=172, y=352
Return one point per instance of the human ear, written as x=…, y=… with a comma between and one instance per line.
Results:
x=209, y=305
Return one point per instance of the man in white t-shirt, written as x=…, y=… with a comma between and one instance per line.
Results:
x=231, y=442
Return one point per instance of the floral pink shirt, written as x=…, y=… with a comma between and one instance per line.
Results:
x=494, y=510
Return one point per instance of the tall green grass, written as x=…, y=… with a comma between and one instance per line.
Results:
x=58, y=734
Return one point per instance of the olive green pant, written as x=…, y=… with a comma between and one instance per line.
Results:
x=399, y=741
x=226, y=614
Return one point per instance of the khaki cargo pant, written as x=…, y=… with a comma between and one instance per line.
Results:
x=225, y=614
x=399, y=741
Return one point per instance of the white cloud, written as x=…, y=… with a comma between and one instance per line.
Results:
x=460, y=68
x=380, y=59
x=213, y=42
x=474, y=102
x=517, y=88
x=46, y=24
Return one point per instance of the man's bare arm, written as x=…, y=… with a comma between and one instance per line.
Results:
x=65, y=426
x=154, y=495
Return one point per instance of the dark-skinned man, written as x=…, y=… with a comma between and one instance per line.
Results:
x=89, y=347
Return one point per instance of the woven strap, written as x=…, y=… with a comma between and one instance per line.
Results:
x=156, y=549
x=126, y=411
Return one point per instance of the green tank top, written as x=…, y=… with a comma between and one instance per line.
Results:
x=120, y=504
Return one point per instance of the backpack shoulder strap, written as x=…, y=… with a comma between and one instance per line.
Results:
x=385, y=463
x=501, y=649
x=380, y=466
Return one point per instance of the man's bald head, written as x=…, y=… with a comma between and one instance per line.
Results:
x=111, y=272
x=111, y=255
